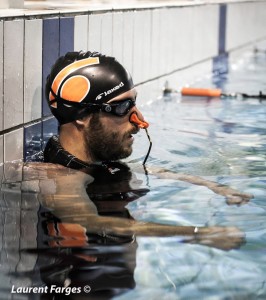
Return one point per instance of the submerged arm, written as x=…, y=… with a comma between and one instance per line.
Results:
x=232, y=196
x=71, y=204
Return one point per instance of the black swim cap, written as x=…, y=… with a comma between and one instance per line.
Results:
x=80, y=79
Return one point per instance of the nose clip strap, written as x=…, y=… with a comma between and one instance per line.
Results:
x=133, y=118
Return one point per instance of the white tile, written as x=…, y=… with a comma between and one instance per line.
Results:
x=13, y=73
x=182, y=38
x=171, y=55
x=12, y=4
x=81, y=33
x=146, y=50
x=1, y=75
x=205, y=35
x=141, y=45
x=107, y=34
x=166, y=39
x=184, y=31
x=259, y=19
x=235, y=34
x=1, y=150
x=128, y=21
x=13, y=145
x=246, y=22
x=94, y=36
x=163, y=41
x=138, y=38
x=173, y=40
x=155, y=54
x=137, y=47
x=33, y=70
x=4, y=4
x=118, y=37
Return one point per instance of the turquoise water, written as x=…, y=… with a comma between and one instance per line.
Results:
x=222, y=140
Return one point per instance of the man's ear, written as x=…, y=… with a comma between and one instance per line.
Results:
x=82, y=122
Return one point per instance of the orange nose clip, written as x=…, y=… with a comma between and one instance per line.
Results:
x=135, y=120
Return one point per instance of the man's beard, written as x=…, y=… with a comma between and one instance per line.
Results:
x=105, y=145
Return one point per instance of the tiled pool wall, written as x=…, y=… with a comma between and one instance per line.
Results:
x=155, y=44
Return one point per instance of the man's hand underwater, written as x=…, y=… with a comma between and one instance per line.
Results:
x=224, y=238
x=232, y=196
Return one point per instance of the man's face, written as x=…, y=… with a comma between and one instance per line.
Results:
x=109, y=137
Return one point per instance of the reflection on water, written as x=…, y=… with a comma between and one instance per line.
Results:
x=40, y=250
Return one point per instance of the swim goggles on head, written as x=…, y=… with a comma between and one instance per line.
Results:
x=117, y=108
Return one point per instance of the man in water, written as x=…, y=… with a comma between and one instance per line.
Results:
x=94, y=99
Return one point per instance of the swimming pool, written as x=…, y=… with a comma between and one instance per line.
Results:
x=220, y=140
x=224, y=141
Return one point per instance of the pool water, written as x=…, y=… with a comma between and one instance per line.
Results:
x=222, y=140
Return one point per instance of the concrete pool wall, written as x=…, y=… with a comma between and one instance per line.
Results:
x=155, y=43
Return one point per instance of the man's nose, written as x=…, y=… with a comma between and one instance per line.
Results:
x=138, y=112
x=137, y=119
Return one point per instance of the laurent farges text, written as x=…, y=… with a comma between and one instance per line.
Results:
x=53, y=289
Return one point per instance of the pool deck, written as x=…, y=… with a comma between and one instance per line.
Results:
x=32, y=8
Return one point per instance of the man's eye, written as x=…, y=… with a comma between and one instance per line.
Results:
x=123, y=106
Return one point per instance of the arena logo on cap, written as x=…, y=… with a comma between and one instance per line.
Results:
x=106, y=93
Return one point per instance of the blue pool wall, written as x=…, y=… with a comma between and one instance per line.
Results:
x=154, y=43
